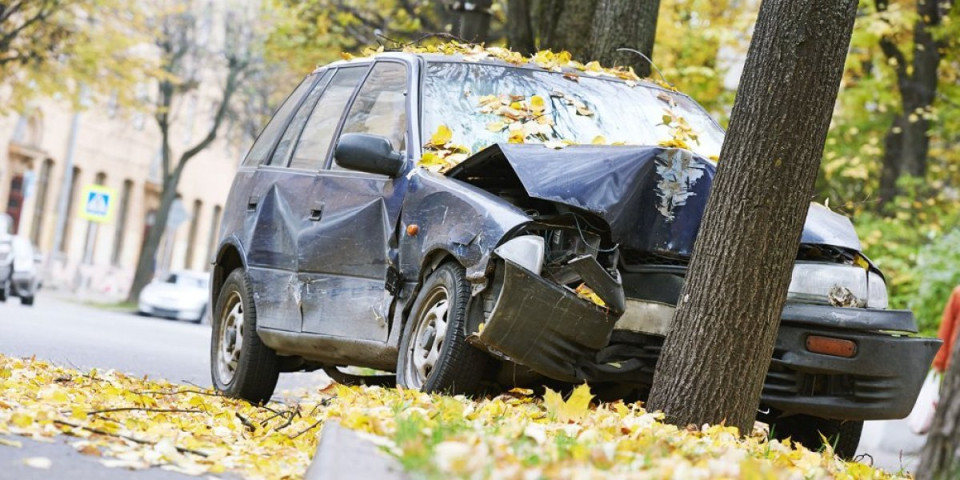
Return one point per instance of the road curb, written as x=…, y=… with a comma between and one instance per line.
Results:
x=344, y=454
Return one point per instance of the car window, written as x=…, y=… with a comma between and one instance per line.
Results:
x=380, y=107
x=264, y=144
x=282, y=153
x=314, y=142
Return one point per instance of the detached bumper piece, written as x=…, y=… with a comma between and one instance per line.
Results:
x=880, y=381
x=544, y=326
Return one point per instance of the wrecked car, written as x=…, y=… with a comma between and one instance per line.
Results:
x=468, y=222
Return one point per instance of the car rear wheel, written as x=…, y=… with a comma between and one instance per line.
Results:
x=434, y=353
x=241, y=365
x=26, y=300
x=844, y=436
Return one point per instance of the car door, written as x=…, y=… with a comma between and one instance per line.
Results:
x=346, y=256
x=276, y=202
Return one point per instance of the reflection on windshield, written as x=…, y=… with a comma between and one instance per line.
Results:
x=484, y=104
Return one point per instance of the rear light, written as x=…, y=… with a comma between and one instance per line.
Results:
x=838, y=347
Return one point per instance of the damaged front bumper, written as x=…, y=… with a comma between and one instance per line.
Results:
x=552, y=331
x=543, y=326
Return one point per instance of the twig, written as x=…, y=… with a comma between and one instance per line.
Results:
x=246, y=423
x=126, y=437
x=178, y=392
x=311, y=427
x=293, y=414
x=144, y=409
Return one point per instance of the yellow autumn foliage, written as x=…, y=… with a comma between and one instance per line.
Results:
x=136, y=422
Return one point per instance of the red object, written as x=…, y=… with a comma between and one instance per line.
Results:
x=948, y=331
x=838, y=347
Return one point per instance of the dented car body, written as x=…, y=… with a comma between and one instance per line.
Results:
x=520, y=264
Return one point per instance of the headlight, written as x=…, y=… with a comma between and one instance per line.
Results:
x=525, y=250
x=876, y=291
x=813, y=282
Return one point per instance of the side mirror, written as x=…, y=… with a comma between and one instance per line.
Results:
x=368, y=153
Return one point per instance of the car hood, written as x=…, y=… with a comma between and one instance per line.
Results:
x=651, y=197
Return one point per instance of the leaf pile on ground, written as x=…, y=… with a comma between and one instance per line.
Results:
x=136, y=422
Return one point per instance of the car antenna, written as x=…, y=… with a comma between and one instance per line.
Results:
x=654, y=65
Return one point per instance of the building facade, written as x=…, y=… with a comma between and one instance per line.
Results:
x=119, y=150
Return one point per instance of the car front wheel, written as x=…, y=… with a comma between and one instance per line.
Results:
x=434, y=353
x=241, y=365
x=844, y=436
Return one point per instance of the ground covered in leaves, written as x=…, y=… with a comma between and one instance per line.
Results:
x=137, y=423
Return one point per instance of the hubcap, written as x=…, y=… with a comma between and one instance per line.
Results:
x=428, y=338
x=231, y=337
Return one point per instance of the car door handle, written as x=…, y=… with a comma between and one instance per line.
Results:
x=316, y=213
x=252, y=202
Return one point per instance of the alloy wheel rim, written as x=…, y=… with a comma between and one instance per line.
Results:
x=231, y=338
x=427, y=342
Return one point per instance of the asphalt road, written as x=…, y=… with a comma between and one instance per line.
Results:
x=73, y=334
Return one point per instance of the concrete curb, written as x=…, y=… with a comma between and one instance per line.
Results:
x=342, y=454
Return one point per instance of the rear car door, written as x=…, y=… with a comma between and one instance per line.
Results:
x=276, y=201
x=346, y=255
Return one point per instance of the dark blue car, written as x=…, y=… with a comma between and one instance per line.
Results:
x=384, y=219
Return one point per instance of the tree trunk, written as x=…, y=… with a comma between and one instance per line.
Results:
x=712, y=366
x=566, y=25
x=940, y=457
x=519, y=30
x=473, y=20
x=147, y=263
x=624, y=23
x=908, y=142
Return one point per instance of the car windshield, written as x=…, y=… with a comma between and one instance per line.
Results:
x=186, y=281
x=483, y=104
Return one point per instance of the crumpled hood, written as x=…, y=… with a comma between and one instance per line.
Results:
x=652, y=197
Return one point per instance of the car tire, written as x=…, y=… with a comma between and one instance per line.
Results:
x=434, y=353
x=240, y=364
x=3, y=294
x=26, y=300
x=843, y=435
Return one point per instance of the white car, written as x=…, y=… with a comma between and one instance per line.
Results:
x=181, y=295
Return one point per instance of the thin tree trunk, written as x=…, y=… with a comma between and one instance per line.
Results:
x=940, y=457
x=625, y=23
x=147, y=263
x=892, y=146
x=519, y=30
x=713, y=363
x=474, y=20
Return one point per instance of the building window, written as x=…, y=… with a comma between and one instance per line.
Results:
x=214, y=234
x=119, y=235
x=43, y=186
x=62, y=248
x=192, y=235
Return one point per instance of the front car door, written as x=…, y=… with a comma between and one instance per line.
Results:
x=345, y=257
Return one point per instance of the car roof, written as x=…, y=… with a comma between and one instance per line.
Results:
x=490, y=60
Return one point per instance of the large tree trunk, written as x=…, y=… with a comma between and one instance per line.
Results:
x=908, y=142
x=940, y=458
x=713, y=363
x=566, y=25
x=624, y=23
x=519, y=30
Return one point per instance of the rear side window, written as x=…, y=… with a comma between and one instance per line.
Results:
x=268, y=136
x=282, y=153
x=315, y=140
x=380, y=107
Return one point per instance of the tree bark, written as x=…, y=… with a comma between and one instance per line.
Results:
x=519, y=29
x=712, y=366
x=566, y=25
x=624, y=23
x=473, y=20
x=908, y=141
x=940, y=457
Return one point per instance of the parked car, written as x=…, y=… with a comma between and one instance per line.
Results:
x=19, y=269
x=522, y=263
x=180, y=295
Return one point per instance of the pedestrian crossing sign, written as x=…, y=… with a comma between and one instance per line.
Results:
x=97, y=203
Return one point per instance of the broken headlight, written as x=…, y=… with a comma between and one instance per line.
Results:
x=525, y=250
x=838, y=285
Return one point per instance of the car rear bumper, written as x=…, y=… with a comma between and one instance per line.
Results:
x=23, y=285
x=554, y=332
